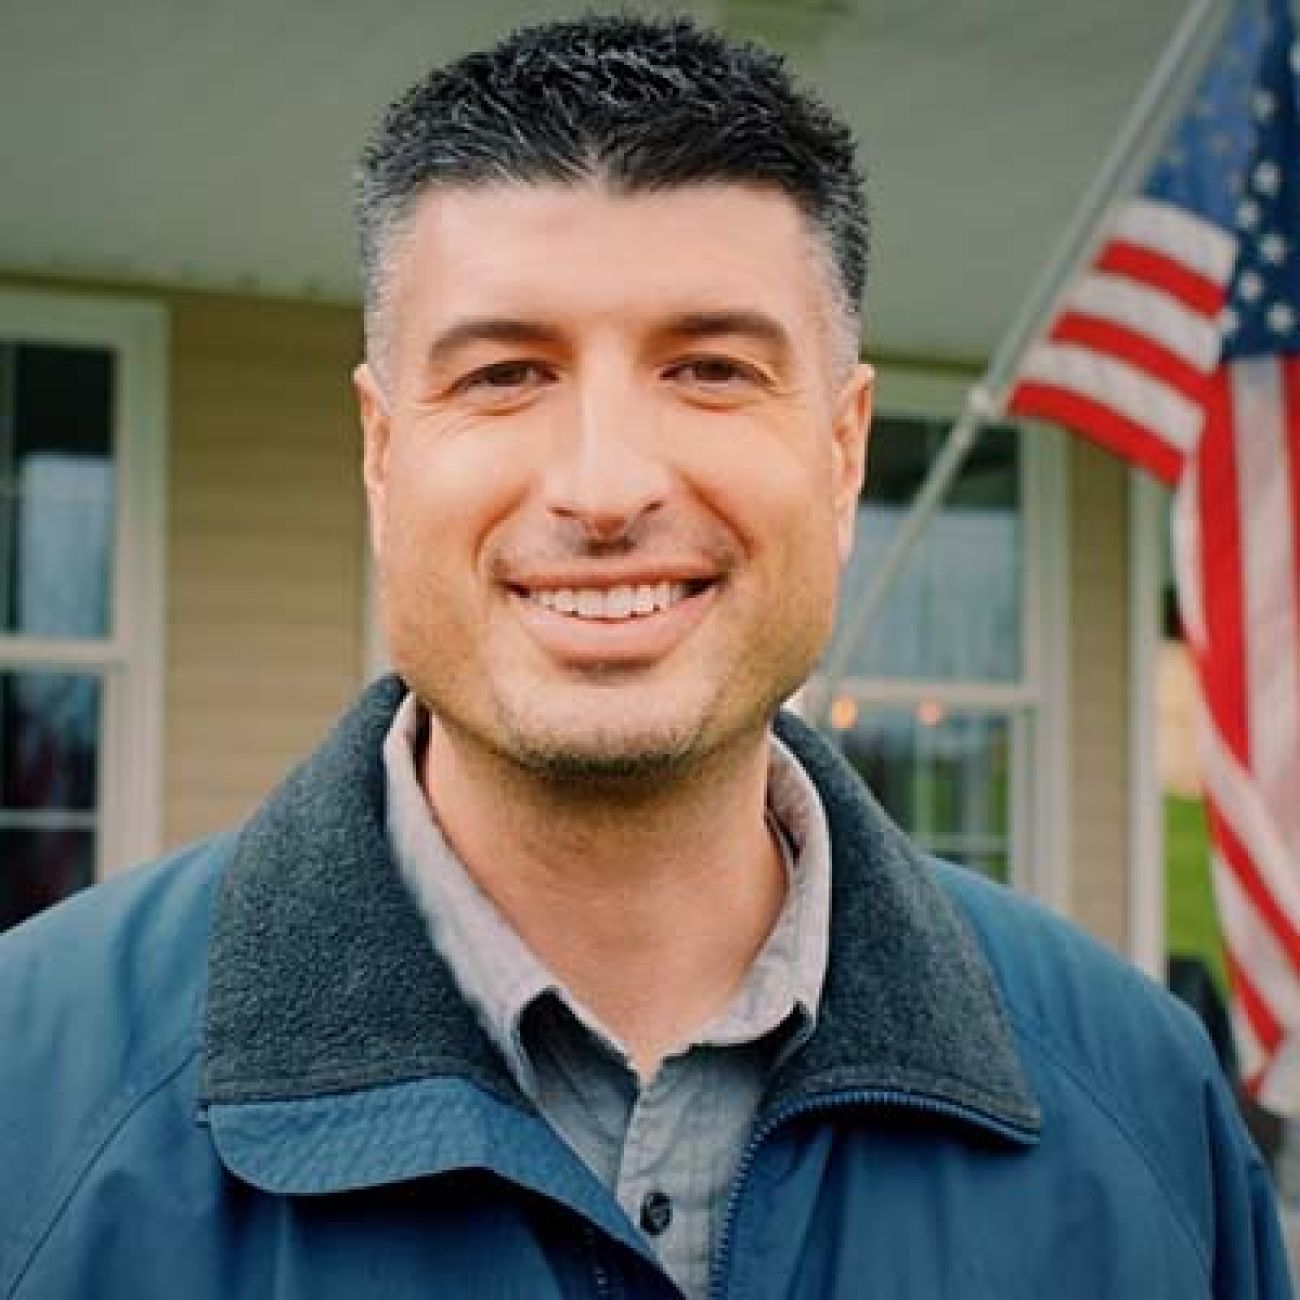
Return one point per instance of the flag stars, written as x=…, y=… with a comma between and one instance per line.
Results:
x=1266, y=179
x=1295, y=58
x=1281, y=318
x=1229, y=321
x=1272, y=248
x=1248, y=214
x=1263, y=104
x=1251, y=286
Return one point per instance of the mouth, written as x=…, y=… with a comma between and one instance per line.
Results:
x=617, y=603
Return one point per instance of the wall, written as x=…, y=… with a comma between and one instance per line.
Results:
x=1099, y=691
x=265, y=557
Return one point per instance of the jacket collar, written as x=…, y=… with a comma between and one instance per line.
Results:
x=314, y=931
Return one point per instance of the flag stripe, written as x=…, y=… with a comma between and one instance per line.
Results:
x=1247, y=932
x=1186, y=529
x=1291, y=420
x=1112, y=400
x=1272, y=639
x=1248, y=840
x=1197, y=292
x=1113, y=431
x=1264, y=1024
x=1223, y=670
x=1187, y=334
x=1233, y=858
x=1105, y=337
x=1203, y=247
x=1135, y=338
x=1141, y=399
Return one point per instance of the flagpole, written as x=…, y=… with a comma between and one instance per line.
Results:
x=986, y=399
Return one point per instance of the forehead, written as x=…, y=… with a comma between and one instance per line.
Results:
x=587, y=250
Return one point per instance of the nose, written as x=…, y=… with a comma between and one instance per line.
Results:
x=606, y=471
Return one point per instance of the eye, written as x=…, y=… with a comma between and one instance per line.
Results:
x=504, y=378
x=715, y=374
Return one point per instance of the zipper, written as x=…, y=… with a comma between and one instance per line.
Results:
x=830, y=1101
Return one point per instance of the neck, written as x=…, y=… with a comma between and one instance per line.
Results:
x=666, y=892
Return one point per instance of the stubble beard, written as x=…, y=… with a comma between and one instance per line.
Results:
x=615, y=755
x=632, y=755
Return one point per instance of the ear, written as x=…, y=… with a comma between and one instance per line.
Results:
x=852, y=422
x=376, y=426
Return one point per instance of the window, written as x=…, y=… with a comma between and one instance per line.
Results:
x=951, y=703
x=943, y=775
x=80, y=592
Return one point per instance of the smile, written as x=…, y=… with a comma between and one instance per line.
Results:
x=610, y=604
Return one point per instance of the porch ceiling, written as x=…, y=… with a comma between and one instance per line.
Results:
x=152, y=141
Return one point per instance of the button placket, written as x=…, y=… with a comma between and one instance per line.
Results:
x=646, y=1202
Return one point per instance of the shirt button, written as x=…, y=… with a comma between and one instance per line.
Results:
x=656, y=1212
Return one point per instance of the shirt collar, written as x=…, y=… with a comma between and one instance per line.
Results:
x=502, y=978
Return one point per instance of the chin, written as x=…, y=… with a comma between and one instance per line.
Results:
x=604, y=759
x=616, y=751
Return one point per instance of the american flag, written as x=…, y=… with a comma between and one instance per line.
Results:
x=1178, y=348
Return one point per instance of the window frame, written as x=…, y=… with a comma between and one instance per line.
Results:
x=130, y=660
x=1149, y=504
x=1037, y=704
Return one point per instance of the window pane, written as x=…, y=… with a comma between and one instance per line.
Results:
x=57, y=490
x=943, y=776
x=49, y=742
x=954, y=612
x=40, y=867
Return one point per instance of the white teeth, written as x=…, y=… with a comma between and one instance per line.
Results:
x=618, y=603
x=611, y=603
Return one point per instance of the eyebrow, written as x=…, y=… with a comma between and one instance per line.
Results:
x=746, y=322
x=690, y=326
x=487, y=329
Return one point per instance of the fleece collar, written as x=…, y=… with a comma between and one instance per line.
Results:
x=323, y=983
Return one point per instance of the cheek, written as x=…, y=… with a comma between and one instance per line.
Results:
x=448, y=491
x=779, y=504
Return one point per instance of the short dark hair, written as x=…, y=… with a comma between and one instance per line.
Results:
x=640, y=104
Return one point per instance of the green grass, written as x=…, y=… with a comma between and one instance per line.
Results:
x=1191, y=921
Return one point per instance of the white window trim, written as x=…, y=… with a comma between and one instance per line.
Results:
x=1038, y=704
x=1046, y=801
x=1148, y=511
x=132, y=659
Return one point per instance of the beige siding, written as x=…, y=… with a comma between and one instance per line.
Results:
x=1099, y=692
x=265, y=558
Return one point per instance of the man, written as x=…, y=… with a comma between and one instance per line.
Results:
x=557, y=971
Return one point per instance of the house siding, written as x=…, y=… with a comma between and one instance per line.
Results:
x=265, y=555
x=1099, y=692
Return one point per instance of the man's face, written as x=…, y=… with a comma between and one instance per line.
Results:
x=612, y=471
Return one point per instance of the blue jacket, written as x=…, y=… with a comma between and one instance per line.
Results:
x=244, y=1072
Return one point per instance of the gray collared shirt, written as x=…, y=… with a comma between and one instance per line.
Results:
x=668, y=1147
